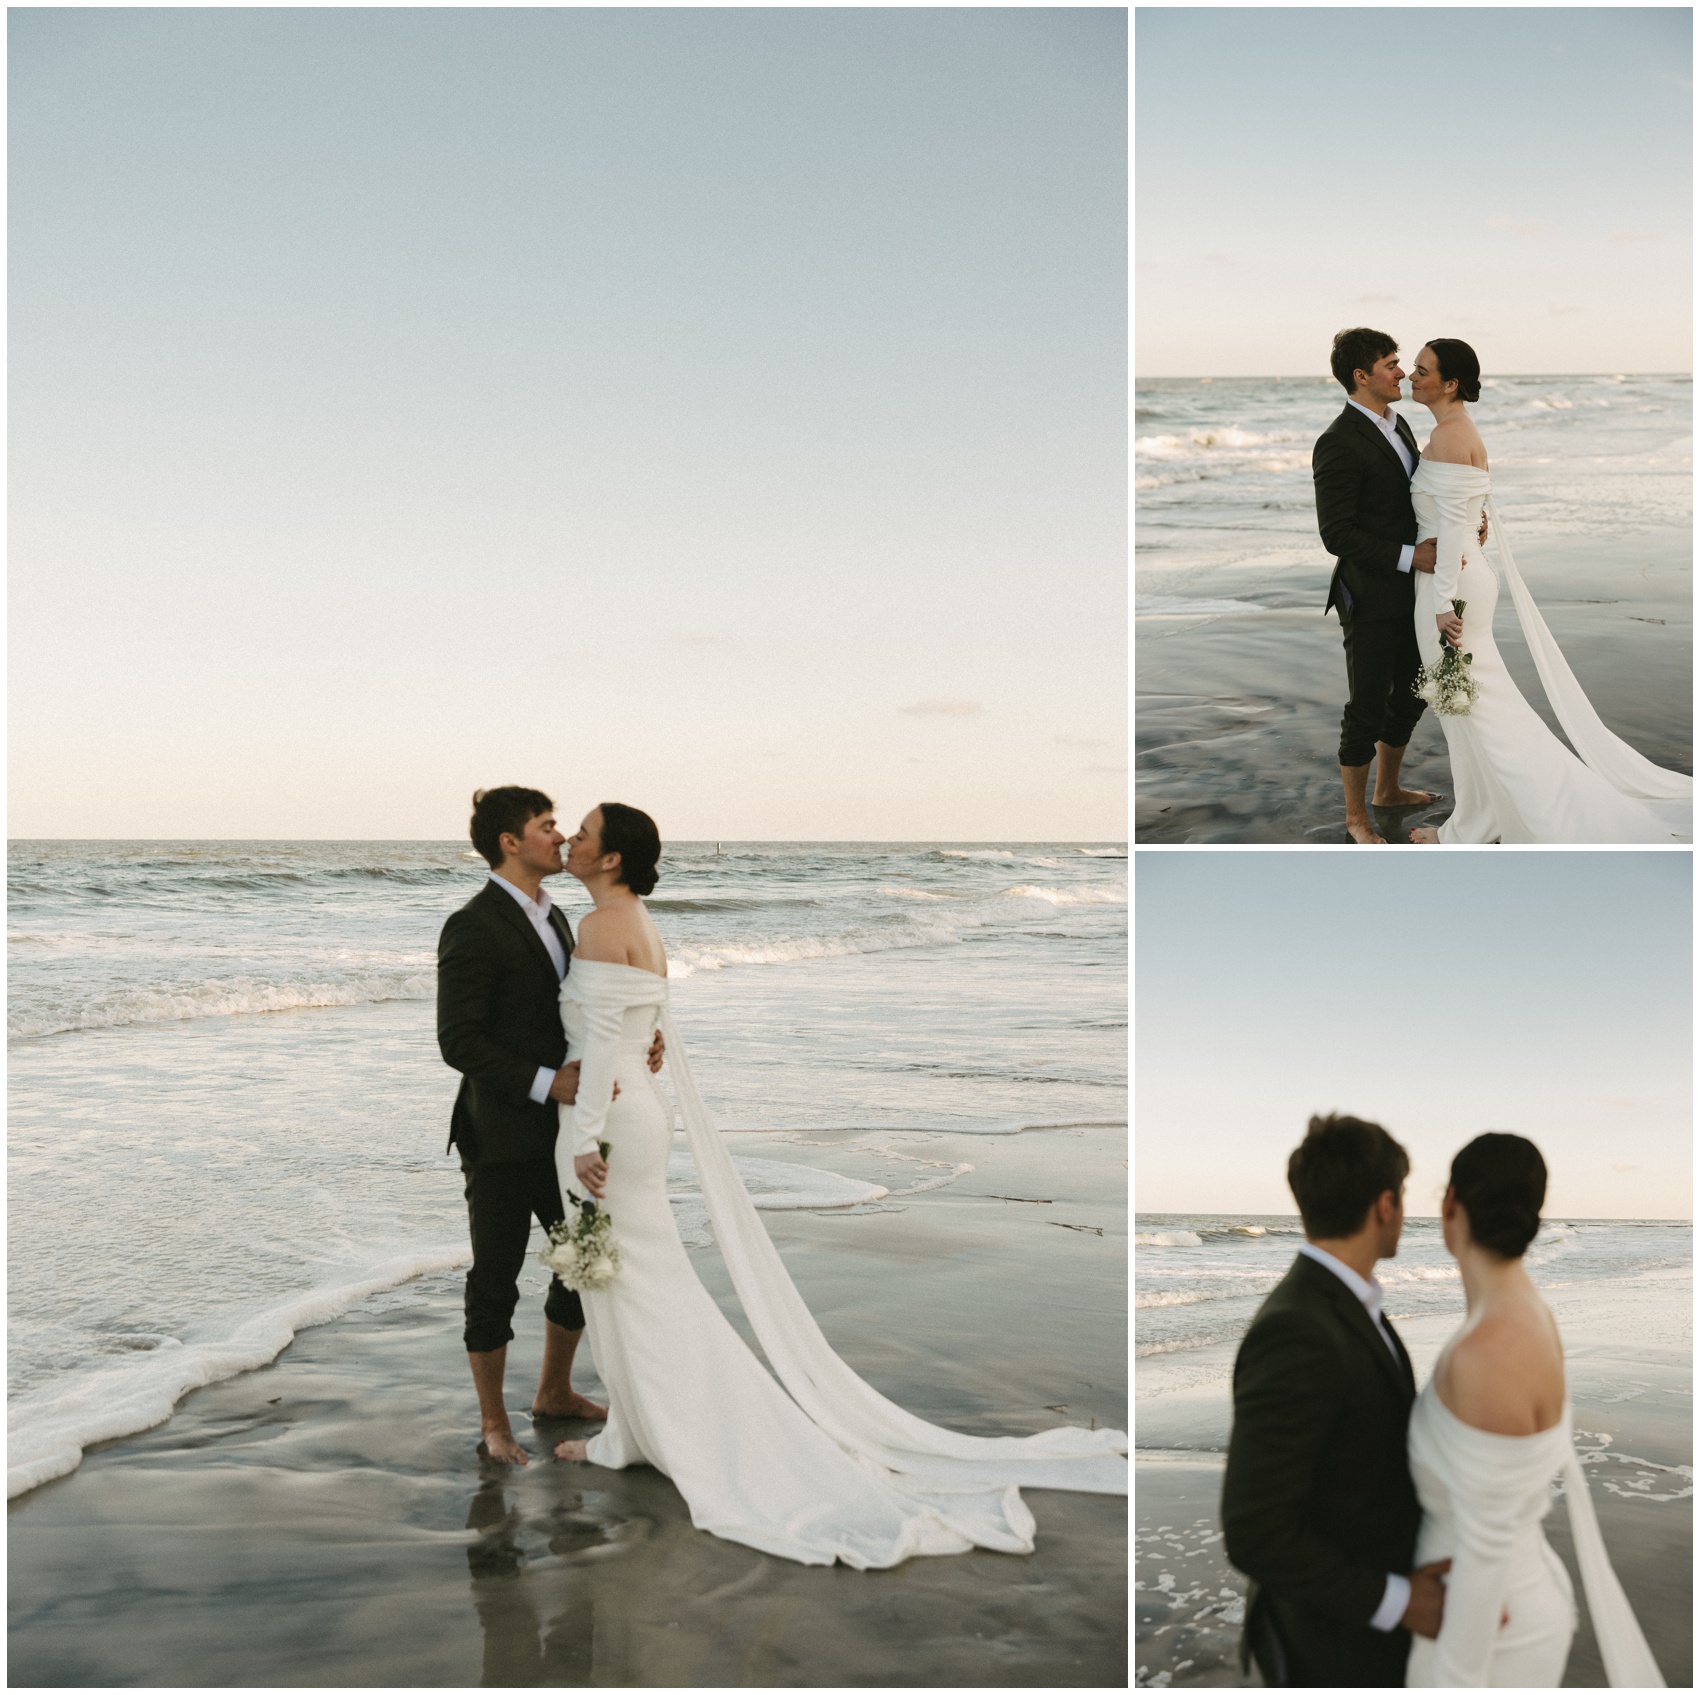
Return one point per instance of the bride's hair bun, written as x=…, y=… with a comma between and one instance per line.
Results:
x=633, y=836
x=1458, y=359
x=1500, y=1181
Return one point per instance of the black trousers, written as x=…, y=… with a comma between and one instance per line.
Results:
x=501, y=1201
x=1382, y=662
x=1296, y=1650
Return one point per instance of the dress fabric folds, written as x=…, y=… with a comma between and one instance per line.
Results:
x=816, y=1466
x=1510, y=1613
x=1514, y=780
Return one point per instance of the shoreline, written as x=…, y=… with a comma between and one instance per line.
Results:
x=325, y=1520
x=1630, y=1382
x=1238, y=711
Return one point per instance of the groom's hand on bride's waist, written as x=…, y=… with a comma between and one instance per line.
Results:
x=1423, y=558
x=657, y=1052
x=1427, y=1604
x=565, y=1087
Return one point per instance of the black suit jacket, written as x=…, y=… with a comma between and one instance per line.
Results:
x=498, y=1020
x=1363, y=509
x=1318, y=1504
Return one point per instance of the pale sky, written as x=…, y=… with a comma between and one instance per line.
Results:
x=1439, y=995
x=722, y=409
x=1520, y=178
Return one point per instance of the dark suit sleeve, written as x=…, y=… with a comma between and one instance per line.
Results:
x=1287, y=1387
x=1339, y=478
x=466, y=982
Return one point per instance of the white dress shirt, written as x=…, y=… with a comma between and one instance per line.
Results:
x=1384, y=421
x=1397, y=1595
x=538, y=912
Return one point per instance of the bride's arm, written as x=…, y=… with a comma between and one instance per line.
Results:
x=603, y=1025
x=1484, y=1517
x=1450, y=546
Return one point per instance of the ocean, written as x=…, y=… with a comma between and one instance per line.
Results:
x=1622, y=1292
x=1222, y=473
x=1241, y=680
x=228, y=1114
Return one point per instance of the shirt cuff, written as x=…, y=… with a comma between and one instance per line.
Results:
x=542, y=1084
x=1406, y=554
x=1393, y=1603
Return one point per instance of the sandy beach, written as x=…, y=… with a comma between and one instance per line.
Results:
x=325, y=1520
x=1629, y=1361
x=1238, y=714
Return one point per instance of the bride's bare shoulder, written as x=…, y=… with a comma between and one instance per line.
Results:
x=606, y=933
x=1456, y=441
x=1505, y=1374
x=622, y=934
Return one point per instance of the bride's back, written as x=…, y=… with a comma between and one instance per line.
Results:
x=1504, y=1370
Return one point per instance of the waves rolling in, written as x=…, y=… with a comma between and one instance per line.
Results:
x=224, y=1073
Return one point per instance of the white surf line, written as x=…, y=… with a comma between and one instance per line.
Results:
x=47, y=1437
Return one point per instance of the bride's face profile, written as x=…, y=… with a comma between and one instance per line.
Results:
x=1454, y=1224
x=1426, y=386
x=584, y=846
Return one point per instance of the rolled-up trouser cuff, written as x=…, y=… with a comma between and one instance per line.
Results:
x=501, y=1201
x=1382, y=662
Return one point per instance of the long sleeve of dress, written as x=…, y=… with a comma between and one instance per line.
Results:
x=603, y=1026
x=1486, y=1502
x=1456, y=538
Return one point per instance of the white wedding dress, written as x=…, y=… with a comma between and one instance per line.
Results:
x=823, y=1468
x=1510, y=1613
x=1514, y=780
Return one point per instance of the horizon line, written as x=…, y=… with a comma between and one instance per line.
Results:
x=1288, y=377
x=1557, y=1218
x=805, y=841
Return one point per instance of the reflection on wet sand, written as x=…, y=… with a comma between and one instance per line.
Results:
x=323, y=1521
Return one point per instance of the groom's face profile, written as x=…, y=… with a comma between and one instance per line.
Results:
x=1381, y=381
x=537, y=847
x=1389, y=1216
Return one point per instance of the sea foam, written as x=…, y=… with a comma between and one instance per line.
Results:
x=48, y=1433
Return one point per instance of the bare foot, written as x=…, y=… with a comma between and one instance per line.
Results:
x=500, y=1446
x=575, y=1451
x=573, y=1406
x=1424, y=834
x=1364, y=832
x=1407, y=797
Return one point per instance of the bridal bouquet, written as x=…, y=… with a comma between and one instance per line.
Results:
x=581, y=1249
x=1447, y=684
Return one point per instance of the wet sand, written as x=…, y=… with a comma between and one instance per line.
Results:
x=325, y=1520
x=1237, y=718
x=1625, y=1382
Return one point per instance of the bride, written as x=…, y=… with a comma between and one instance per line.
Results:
x=1488, y=1434
x=823, y=1468
x=1515, y=780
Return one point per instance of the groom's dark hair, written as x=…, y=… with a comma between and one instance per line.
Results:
x=1339, y=1171
x=1358, y=350
x=504, y=812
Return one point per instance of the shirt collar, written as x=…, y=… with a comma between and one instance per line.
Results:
x=539, y=908
x=1382, y=420
x=1367, y=1289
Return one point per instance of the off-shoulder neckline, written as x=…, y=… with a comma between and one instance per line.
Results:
x=1499, y=1435
x=616, y=965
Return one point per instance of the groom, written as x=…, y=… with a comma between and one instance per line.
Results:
x=1318, y=1507
x=500, y=964
x=1362, y=466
